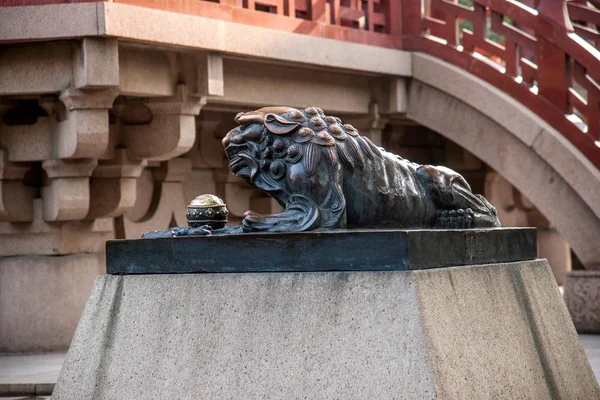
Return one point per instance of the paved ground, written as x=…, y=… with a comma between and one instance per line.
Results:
x=36, y=375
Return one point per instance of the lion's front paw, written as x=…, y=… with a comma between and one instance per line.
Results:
x=203, y=230
x=300, y=215
x=255, y=222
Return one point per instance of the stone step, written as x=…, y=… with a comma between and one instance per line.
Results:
x=29, y=375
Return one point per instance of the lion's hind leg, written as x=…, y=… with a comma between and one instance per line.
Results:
x=458, y=206
x=455, y=219
x=482, y=213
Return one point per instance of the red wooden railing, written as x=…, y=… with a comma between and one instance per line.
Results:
x=369, y=22
x=540, y=62
x=585, y=16
x=367, y=15
x=541, y=57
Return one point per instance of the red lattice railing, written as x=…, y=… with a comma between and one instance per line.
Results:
x=585, y=16
x=369, y=15
x=535, y=57
x=372, y=22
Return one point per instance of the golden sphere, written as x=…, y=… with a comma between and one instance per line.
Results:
x=207, y=209
x=206, y=200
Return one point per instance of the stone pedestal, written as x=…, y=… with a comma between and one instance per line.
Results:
x=582, y=295
x=476, y=331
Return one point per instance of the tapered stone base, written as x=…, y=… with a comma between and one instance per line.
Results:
x=472, y=332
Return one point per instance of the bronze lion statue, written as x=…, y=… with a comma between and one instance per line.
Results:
x=327, y=176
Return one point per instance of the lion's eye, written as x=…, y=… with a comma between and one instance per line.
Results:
x=252, y=133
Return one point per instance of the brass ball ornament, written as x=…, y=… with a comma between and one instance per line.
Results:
x=207, y=209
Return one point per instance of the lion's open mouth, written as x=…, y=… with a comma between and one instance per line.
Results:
x=237, y=156
x=241, y=163
x=233, y=151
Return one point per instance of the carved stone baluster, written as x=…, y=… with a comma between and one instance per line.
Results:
x=83, y=130
x=171, y=130
x=16, y=199
x=113, y=186
x=168, y=205
x=67, y=195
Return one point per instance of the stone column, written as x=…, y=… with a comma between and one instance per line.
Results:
x=553, y=247
x=516, y=210
x=415, y=143
x=370, y=125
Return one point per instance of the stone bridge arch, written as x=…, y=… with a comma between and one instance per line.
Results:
x=529, y=153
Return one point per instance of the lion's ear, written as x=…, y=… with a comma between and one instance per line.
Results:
x=278, y=125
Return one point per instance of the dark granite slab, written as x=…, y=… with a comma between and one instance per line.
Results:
x=349, y=250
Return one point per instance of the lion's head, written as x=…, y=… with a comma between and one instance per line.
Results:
x=272, y=140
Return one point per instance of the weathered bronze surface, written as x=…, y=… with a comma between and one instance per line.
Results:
x=327, y=176
x=318, y=251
